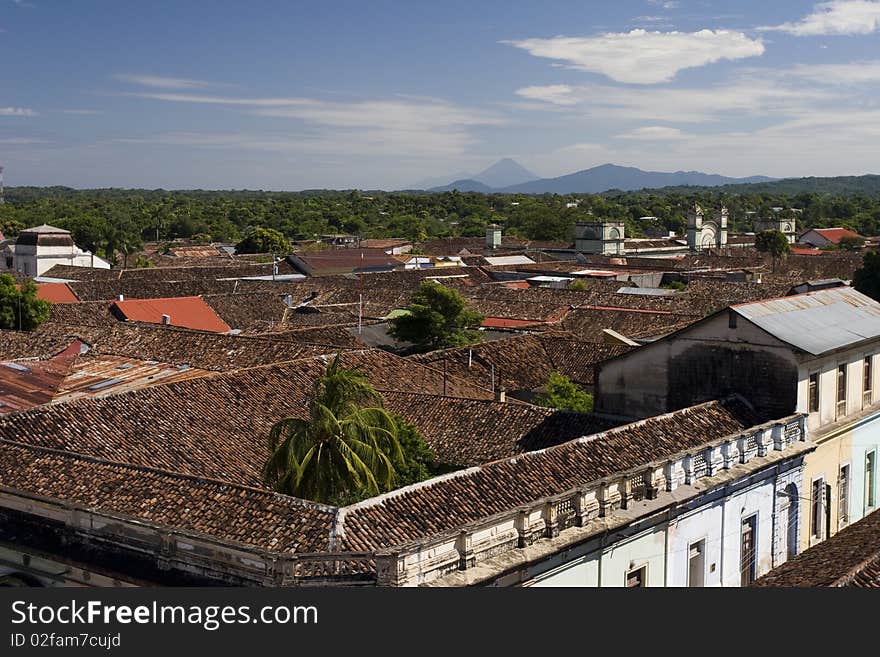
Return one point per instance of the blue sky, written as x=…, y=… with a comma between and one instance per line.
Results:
x=295, y=95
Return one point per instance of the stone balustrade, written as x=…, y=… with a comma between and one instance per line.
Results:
x=426, y=560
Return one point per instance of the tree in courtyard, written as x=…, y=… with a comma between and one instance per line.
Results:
x=437, y=317
x=347, y=448
x=560, y=392
x=774, y=243
x=867, y=278
x=20, y=309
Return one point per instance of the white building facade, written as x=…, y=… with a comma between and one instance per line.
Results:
x=39, y=249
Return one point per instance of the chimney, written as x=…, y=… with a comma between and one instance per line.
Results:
x=166, y=320
x=119, y=297
x=500, y=395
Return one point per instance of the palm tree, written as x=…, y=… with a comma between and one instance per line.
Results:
x=348, y=443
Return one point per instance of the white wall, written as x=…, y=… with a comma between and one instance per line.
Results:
x=664, y=547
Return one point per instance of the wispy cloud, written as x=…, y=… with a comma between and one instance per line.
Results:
x=665, y=4
x=162, y=82
x=851, y=73
x=22, y=141
x=840, y=17
x=402, y=126
x=643, y=57
x=16, y=111
x=221, y=100
x=85, y=112
x=744, y=96
x=653, y=133
x=556, y=94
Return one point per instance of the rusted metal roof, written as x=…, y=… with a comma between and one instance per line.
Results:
x=71, y=375
x=817, y=322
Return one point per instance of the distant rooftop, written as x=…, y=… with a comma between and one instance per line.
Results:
x=46, y=228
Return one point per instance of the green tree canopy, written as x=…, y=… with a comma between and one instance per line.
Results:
x=20, y=309
x=437, y=317
x=561, y=392
x=851, y=243
x=774, y=243
x=867, y=278
x=263, y=240
x=348, y=448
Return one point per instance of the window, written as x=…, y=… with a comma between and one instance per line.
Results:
x=870, y=476
x=814, y=392
x=697, y=564
x=731, y=319
x=841, y=390
x=866, y=381
x=816, y=503
x=748, y=552
x=636, y=578
x=843, y=496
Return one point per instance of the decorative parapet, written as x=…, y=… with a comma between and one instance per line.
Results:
x=546, y=518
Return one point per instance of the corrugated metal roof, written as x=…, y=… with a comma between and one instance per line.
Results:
x=817, y=322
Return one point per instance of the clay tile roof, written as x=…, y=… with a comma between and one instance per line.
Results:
x=56, y=293
x=835, y=234
x=211, y=426
x=187, y=312
x=241, y=514
x=467, y=432
x=849, y=558
x=444, y=503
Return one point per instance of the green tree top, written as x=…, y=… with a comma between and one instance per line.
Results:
x=851, y=243
x=438, y=317
x=20, y=309
x=263, y=240
x=561, y=392
x=773, y=242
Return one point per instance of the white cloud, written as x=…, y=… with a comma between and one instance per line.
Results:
x=21, y=141
x=746, y=96
x=666, y=4
x=16, y=111
x=850, y=73
x=654, y=133
x=838, y=17
x=84, y=112
x=222, y=100
x=405, y=127
x=162, y=82
x=556, y=94
x=643, y=57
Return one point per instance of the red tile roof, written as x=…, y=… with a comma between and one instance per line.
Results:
x=835, y=234
x=56, y=293
x=805, y=251
x=186, y=312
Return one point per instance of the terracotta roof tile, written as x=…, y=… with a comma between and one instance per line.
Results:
x=445, y=503
x=235, y=513
x=186, y=312
x=467, y=432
